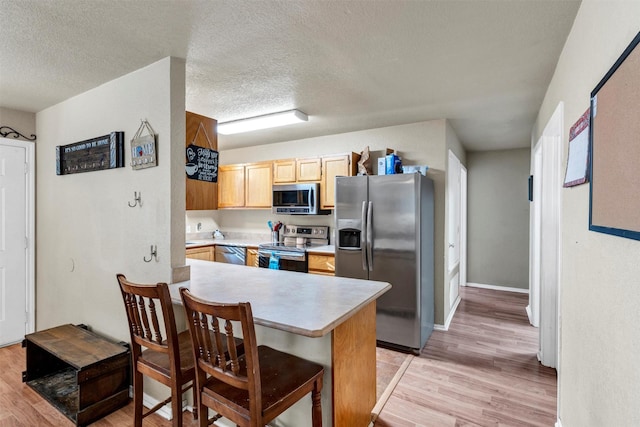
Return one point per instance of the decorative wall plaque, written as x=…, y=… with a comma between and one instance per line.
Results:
x=143, y=148
x=103, y=152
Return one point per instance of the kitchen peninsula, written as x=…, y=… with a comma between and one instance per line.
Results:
x=329, y=320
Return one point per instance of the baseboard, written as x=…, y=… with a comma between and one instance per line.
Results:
x=558, y=423
x=497, y=288
x=447, y=323
x=528, y=310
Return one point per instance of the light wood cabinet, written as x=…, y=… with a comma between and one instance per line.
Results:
x=249, y=185
x=322, y=264
x=245, y=185
x=284, y=171
x=309, y=170
x=332, y=166
x=231, y=186
x=206, y=253
x=252, y=257
x=258, y=185
x=201, y=195
x=290, y=171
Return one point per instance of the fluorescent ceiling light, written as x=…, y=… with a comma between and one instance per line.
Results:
x=262, y=122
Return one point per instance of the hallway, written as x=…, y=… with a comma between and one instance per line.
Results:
x=482, y=372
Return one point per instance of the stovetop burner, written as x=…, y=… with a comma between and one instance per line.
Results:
x=297, y=238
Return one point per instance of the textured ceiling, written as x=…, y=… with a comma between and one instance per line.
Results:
x=349, y=65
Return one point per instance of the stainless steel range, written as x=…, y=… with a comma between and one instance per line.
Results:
x=291, y=253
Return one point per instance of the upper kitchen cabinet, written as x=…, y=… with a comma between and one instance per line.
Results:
x=245, y=186
x=332, y=166
x=201, y=131
x=258, y=185
x=284, y=171
x=297, y=170
x=231, y=182
x=309, y=170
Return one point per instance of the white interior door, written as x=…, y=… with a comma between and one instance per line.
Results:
x=535, y=212
x=453, y=229
x=545, y=235
x=463, y=226
x=15, y=225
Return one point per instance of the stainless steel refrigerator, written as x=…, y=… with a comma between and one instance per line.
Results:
x=384, y=227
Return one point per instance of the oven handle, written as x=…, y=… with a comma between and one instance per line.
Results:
x=283, y=254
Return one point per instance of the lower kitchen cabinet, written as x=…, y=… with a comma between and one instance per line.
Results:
x=206, y=253
x=322, y=264
x=252, y=257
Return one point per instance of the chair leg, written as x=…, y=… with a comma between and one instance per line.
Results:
x=194, y=391
x=316, y=403
x=176, y=404
x=203, y=413
x=137, y=398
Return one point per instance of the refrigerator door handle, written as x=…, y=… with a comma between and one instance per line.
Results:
x=363, y=239
x=370, y=236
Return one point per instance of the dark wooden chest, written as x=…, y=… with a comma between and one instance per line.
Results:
x=79, y=372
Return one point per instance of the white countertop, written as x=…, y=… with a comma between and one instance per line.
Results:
x=194, y=243
x=305, y=304
x=326, y=250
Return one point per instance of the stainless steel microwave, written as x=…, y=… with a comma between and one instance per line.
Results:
x=297, y=199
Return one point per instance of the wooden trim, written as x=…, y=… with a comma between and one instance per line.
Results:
x=447, y=322
x=390, y=387
x=497, y=288
x=354, y=368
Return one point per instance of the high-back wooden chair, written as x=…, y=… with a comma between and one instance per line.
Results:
x=251, y=389
x=168, y=355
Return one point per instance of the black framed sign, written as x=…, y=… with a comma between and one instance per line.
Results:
x=103, y=152
x=614, y=193
x=202, y=164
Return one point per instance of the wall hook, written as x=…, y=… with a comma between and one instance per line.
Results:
x=154, y=254
x=137, y=200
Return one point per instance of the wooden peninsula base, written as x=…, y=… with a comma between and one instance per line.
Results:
x=328, y=320
x=354, y=368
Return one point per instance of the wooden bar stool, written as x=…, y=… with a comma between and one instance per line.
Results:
x=168, y=357
x=251, y=389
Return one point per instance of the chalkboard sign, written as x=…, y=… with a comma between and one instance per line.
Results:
x=103, y=152
x=202, y=164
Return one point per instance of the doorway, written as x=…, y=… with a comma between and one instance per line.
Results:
x=545, y=239
x=456, y=230
x=17, y=225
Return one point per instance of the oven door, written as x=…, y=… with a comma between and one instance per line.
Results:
x=288, y=260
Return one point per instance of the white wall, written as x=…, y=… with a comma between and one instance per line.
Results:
x=598, y=376
x=20, y=121
x=423, y=143
x=86, y=232
x=498, y=222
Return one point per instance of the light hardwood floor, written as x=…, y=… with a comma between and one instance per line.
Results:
x=482, y=372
